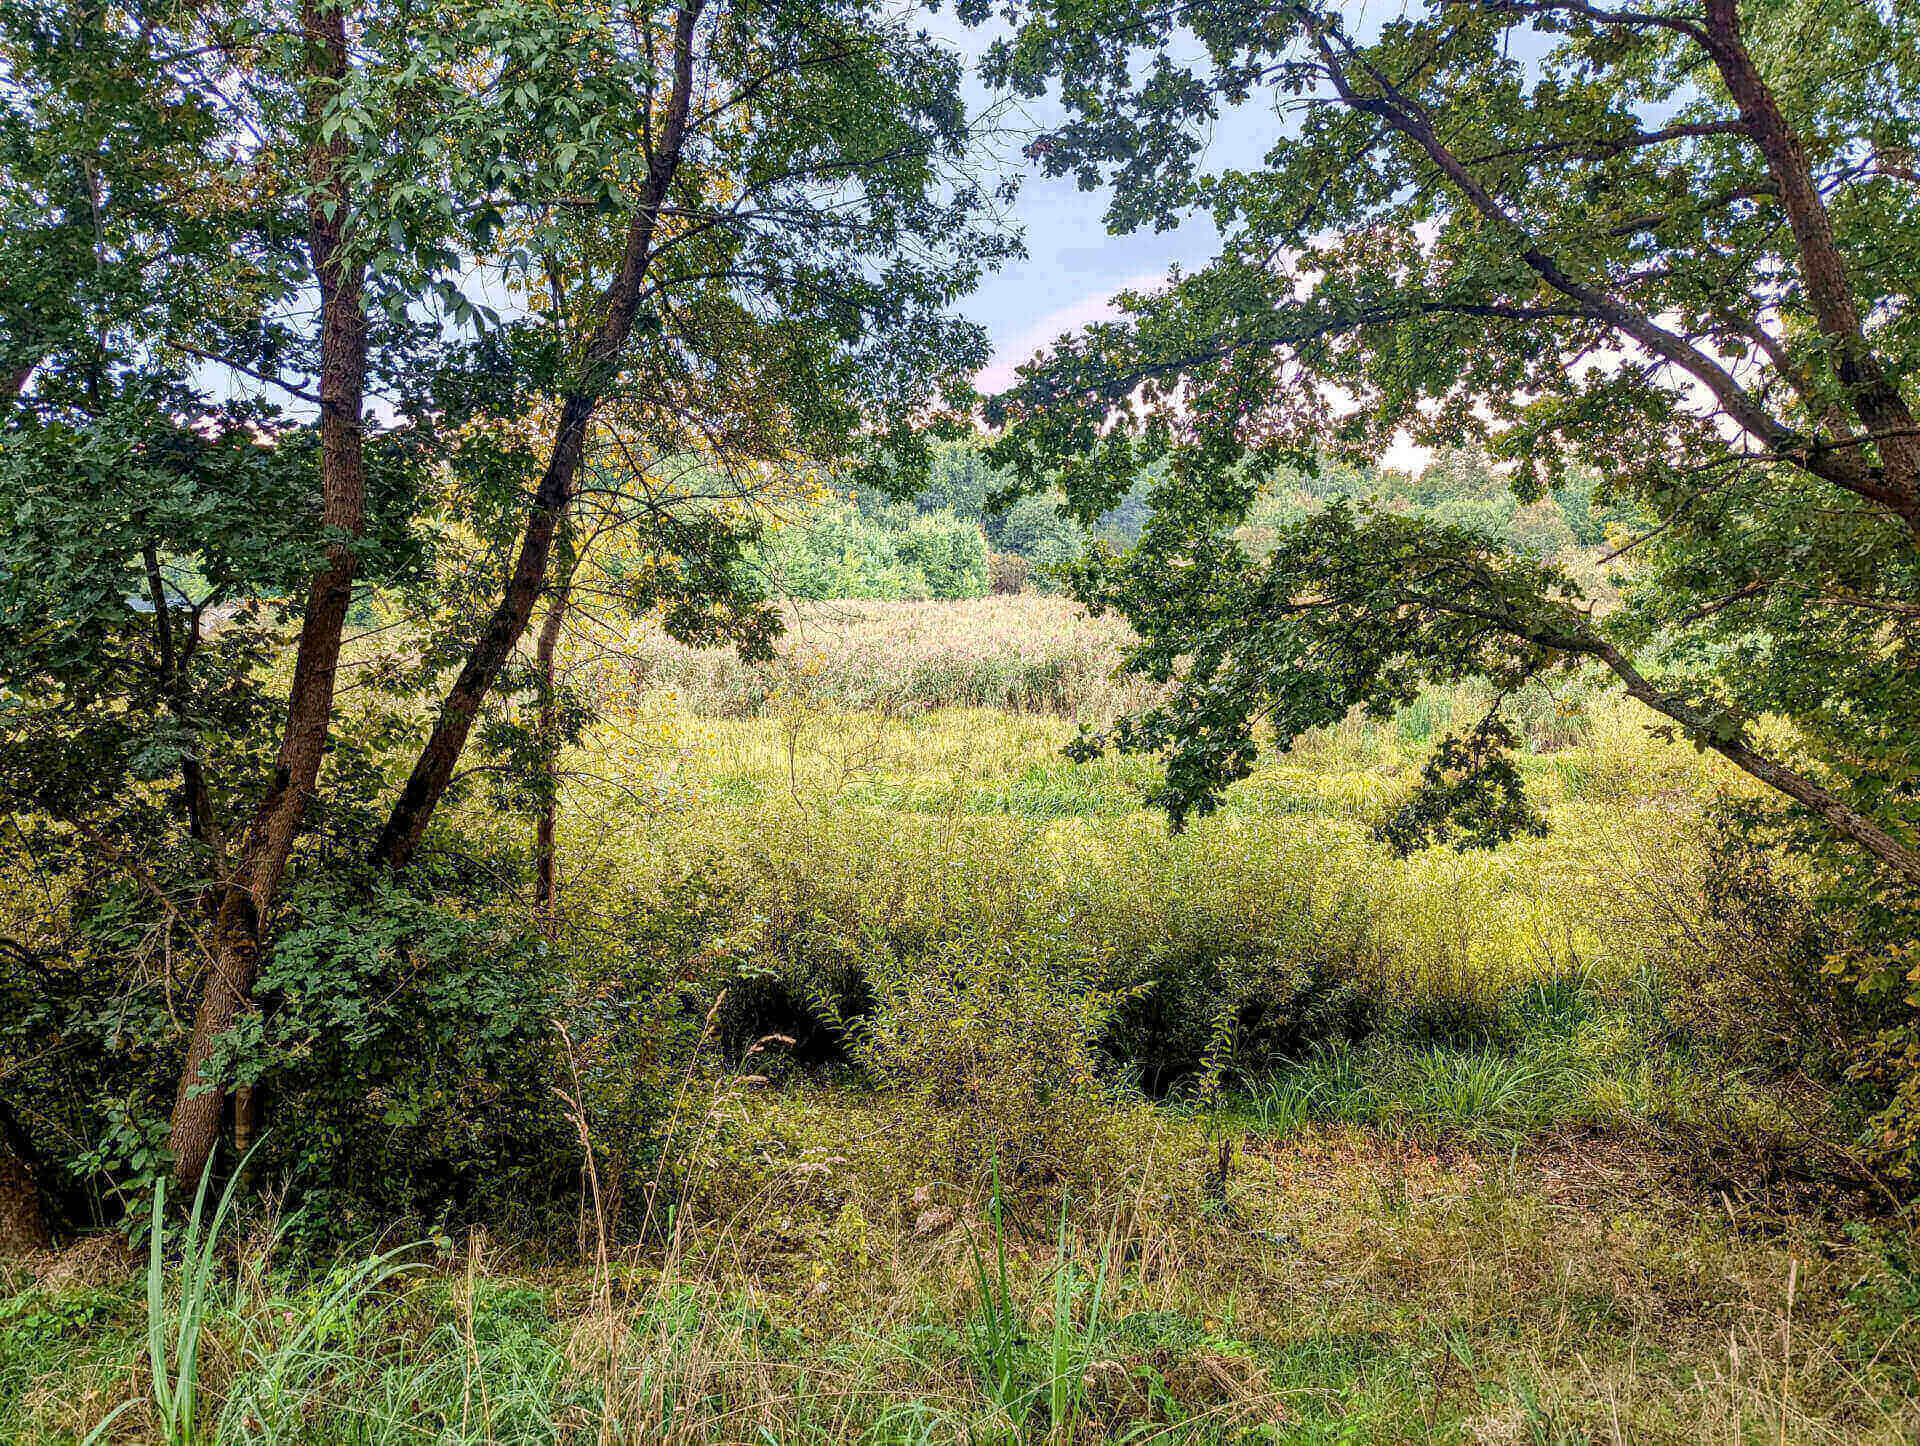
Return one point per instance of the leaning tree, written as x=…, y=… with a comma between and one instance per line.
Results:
x=1672, y=240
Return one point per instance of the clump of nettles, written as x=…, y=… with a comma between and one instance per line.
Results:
x=1470, y=795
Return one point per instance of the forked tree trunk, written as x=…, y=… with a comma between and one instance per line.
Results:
x=199, y=1106
x=240, y=906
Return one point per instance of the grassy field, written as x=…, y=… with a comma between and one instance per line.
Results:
x=1022, y=1120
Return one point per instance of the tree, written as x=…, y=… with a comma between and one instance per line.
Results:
x=143, y=510
x=23, y=1221
x=794, y=218
x=247, y=889
x=1670, y=239
x=731, y=233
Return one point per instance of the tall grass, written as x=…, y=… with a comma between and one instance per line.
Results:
x=281, y=1369
x=174, y=1335
x=1381, y=1292
x=1036, y=1375
x=1025, y=654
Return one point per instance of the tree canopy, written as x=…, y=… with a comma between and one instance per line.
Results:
x=310, y=304
x=1667, y=239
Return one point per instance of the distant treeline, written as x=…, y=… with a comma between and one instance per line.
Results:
x=1459, y=486
x=945, y=541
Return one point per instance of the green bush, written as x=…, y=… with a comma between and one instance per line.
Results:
x=837, y=552
x=947, y=557
x=1216, y=954
x=404, y=1056
x=1205, y=1007
x=637, y=972
x=987, y=1059
x=1749, y=949
x=407, y=1050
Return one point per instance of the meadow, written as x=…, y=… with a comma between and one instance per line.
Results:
x=1482, y=1007
x=999, y=1113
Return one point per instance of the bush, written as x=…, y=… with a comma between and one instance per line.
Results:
x=1232, y=968
x=408, y=1049
x=836, y=552
x=1745, y=951
x=1007, y=572
x=987, y=1057
x=1792, y=967
x=404, y=1055
x=1218, y=951
x=946, y=556
x=638, y=973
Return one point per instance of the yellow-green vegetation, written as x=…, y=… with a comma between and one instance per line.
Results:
x=534, y=779
x=1002, y=1114
x=1342, y=1286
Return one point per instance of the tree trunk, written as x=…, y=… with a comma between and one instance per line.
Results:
x=199, y=1107
x=1875, y=397
x=546, y=885
x=240, y=907
x=23, y=1224
x=434, y=769
x=619, y=303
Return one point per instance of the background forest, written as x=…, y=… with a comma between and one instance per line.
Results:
x=599, y=847
x=945, y=539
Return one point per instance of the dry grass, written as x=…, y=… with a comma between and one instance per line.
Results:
x=1338, y=1286
x=806, y=1276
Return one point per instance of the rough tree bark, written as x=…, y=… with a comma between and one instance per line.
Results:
x=618, y=304
x=239, y=905
x=23, y=1224
x=546, y=883
x=1875, y=397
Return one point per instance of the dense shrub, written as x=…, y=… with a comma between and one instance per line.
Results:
x=1204, y=1010
x=403, y=1061
x=1007, y=572
x=986, y=1055
x=943, y=557
x=1751, y=960
x=1778, y=966
x=90, y=1041
x=836, y=552
x=1216, y=952
x=407, y=1047
x=1233, y=963
x=638, y=972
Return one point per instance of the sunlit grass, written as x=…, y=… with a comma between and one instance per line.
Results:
x=1452, y=1208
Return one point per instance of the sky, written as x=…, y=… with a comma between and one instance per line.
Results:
x=1073, y=266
